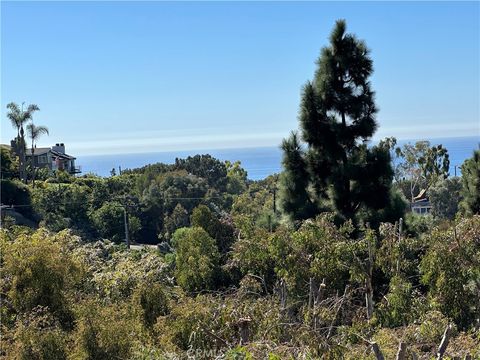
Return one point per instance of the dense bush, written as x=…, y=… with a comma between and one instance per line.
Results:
x=39, y=337
x=196, y=261
x=105, y=332
x=152, y=301
x=40, y=272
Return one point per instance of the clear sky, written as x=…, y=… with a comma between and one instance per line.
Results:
x=121, y=77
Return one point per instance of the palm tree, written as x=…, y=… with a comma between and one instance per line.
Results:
x=19, y=118
x=34, y=132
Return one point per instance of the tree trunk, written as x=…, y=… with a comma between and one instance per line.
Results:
x=368, y=284
x=22, y=157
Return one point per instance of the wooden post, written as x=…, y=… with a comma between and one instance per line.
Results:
x=127, y=239
x=320, y=292
x=275, y=200
x=378, y=353
x=400, y=230
x=283, y=295
x=368, y=284
x=310, y=294
x=402, y=350
x=243, y=324
x=444, y=343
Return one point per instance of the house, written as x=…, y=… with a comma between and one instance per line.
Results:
x=421, y=204
x=53, y=158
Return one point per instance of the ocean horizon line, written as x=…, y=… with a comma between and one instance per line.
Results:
x=204, y=150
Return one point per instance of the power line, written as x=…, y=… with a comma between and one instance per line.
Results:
x=163, y=198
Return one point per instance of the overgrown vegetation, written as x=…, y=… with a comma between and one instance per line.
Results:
x=328, y=270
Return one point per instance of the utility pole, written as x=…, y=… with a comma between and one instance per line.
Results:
x=274, y=199
x=127, y=239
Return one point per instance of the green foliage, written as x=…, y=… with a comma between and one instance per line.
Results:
x=417, y=225
x=19, y=118
x=451, y=269
x=104, y=332
x=39, y=337
x=62, y=206
x=115, y=274
x=236, y=177
x=109, y=222
x=422, y=165
x=177, y=219
x=206, y=167
x=251, y=253
x=258, y=203
x=432, y=327
x=294, y=199
x=126, y=305
x=41, y=272
x=219, y=230
x=471, y=184
x=396, y=310
x=196, y=259
x=8, y=163
x=317, y=250
x=152, y=301
x=337, y=113
x=445, y=197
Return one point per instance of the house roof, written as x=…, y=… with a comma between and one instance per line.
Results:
x=65, y=156
x=42, y=151
x=38, y=151
x=421, y=195
x=421, y=203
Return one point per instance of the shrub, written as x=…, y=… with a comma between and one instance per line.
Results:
x=105, y=332
x=396, y=311
x=196, y=259
x=42, y=272
x=39, y=337
x=152, y=302
x=450, y=268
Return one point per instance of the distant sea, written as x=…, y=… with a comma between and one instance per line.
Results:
x=259, y=162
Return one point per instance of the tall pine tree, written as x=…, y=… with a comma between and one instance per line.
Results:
x=337, y=171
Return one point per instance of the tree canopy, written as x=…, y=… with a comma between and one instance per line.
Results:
x=336, y=169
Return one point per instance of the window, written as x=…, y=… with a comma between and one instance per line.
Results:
x=42, y=159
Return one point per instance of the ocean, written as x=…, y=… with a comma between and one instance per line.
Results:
x=259, y=162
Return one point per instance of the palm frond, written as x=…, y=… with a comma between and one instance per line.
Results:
x=34, y=132
x=32, y=108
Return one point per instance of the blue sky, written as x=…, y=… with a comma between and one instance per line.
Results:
x=119, y=77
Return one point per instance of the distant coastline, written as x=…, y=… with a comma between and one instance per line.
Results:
x=259, y=162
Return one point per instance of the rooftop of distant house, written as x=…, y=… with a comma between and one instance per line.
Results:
x=54, y=150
